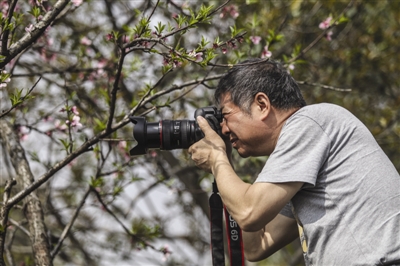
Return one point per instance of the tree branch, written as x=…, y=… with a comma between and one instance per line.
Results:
x=32, y=36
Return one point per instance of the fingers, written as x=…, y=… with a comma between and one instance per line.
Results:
x=203, y=124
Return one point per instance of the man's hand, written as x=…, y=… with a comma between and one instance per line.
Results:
x=206, y=152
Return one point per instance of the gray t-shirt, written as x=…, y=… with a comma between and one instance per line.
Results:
x=349, y=206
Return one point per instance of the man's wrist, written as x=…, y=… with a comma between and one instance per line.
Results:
x=219, y=159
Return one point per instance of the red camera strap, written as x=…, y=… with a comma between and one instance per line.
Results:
x=233, y=232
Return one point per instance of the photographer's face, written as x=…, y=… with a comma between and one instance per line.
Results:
x=246, y=131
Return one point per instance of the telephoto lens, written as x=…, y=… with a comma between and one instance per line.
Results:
x=164, y=135
x=171, y=134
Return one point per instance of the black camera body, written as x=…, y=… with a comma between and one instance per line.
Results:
x=172, y=134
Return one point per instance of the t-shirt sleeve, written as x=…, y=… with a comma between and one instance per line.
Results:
x=287, y=211
x=302, y=149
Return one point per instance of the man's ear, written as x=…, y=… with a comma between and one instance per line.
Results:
x=263, y=104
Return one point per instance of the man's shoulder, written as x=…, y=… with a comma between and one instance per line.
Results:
x=323, y=111
x=320, y=107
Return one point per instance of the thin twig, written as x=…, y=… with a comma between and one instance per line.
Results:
x=114, y=90
x=106, y=208
x=22, y=99
x=313, y=43
x=322, y=86
x=67, y=229
x=20, y=227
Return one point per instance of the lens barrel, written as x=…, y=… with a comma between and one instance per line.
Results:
x=177, y=134
x=172, y=134
x=164, y=135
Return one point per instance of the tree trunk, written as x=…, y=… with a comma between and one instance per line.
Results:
x=33, y=208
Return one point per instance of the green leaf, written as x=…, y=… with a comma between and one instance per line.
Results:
x=235, y=31
x=16, y=98
x=34, y=157
x=100, y=125
x=135, y=179
x=342, y=19
x=35, y=12
x=117, y=190
x=66, y=144
x=96, y=182
x=160, y=28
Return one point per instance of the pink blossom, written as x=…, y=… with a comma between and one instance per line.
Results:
x=85, y=41
x=165, y=61
x=47, y=56
x=4, y=8
x=23, y=133
x=122, y=145
x=109, y=37
x=77, y=2
x=232, y=10
x=325, y=24
x=102, y=63
x=167, y=252
x=50, y=41
x=291, y=67
x=75, y=121
x=125, y=39
x=47, y=118
x=176, y=63
x=224, y=50
x=5, y=78
x=100, y=66
x=145, y=44
x=266, y=53
x=198, y=56
x=74, y=110
x=328, y=35
x=255, y=39
x=231, y=44
x=30, y=28
x=72, y=163
x=59, y=126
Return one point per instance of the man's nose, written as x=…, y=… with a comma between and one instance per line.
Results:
x=224, y=128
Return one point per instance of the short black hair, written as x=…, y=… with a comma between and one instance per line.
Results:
x=246, y=79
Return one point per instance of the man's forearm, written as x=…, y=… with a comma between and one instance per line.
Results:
x=230, y=186
x=252, y=244
x=275, y=235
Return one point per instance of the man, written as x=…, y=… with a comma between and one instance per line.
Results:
x=326, y=177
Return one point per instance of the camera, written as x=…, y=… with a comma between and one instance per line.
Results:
x=172, y=134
